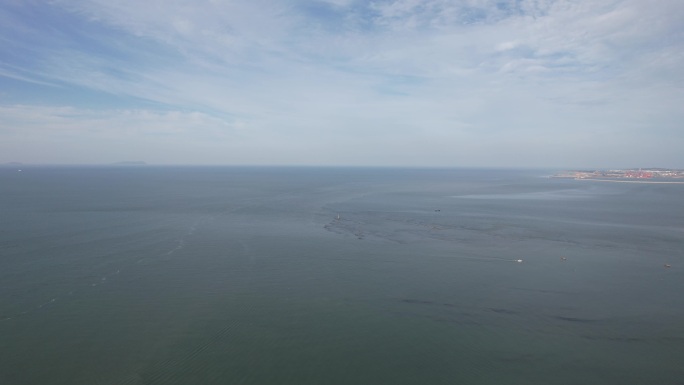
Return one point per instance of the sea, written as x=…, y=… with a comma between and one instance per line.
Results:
x=332, y=275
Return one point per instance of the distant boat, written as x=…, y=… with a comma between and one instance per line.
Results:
x=338, y=217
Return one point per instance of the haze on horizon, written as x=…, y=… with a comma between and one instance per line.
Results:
x=470, y=83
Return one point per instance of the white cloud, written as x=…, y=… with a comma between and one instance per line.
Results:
x=475, y=73
x=23, y=121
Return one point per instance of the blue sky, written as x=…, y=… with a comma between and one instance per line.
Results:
x=492, y=83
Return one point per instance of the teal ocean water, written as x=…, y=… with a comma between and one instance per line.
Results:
x=201, y=275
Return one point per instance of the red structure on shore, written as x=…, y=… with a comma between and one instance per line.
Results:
x=638, y=174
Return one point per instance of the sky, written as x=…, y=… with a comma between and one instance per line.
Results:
x=429, y=83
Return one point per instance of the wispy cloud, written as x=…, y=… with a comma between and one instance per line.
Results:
x=305, y=77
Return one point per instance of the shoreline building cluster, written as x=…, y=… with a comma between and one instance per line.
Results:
x=649, y=173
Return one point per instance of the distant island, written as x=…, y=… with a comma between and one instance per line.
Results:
x=626, y=175
x=12, y=164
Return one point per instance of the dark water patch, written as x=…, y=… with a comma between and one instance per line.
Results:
x=428, y=302
x=503, y=311
x=449, y=305
x=418, y=301
x=575, y=319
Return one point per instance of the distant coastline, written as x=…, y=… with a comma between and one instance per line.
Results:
x=633, y=181
x=640, y=175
